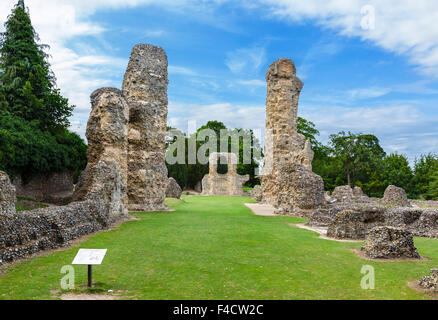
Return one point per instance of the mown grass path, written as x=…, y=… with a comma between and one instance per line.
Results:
x=215, y=248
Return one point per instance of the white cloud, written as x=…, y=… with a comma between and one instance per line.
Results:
x=246, y=60
x=401, y=26
x=253, y=82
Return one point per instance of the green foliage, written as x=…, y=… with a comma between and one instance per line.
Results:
x=28, y=86
x=432, y=193
x=25, y=149
x=359, y=154
x=425, y=169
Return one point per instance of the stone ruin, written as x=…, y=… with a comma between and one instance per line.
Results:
x=346, y=194
x=106, y=175
x=229, y=184
x=390, y=243
x=396, y=197
x=173, y=189
x=256, y=193
x=126, y=164
x=430, y=282
x=288, y=182
x=350, y=216
x=145, y=90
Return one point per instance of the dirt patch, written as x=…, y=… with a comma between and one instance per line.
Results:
x=416, y=286
x=360, y=254
x=264, y=210
x=322, y=231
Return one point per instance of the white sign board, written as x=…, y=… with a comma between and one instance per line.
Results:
x=90, y=256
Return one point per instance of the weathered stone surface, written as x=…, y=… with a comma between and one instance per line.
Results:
x=256, y=193
x=105, y=177
x=284, y=146
x=300, y=189
x=145, y=89
x=356, y=224
x=25, y=233
x=424, y=204
x=420, y=222
x=390, y=243
x=55, y=187
x=430, y=282
x=7, y=195
x=345, y=194
x=229, y=184
x=173, y=189
x=396, y=197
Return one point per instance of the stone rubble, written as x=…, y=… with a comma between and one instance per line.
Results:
x=173, y=189
x=430, y=282
x=390, y=243
x=395, y=197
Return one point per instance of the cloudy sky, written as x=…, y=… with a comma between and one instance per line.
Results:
x=367, y=66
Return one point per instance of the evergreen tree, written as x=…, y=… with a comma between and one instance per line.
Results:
x=28, y=86
x=432, y=193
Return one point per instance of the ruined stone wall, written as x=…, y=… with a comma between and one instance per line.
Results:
x=105, y=177
x=55, y=188
x=145, y=89
x=229, y=184
x=284, y=146
x=26, y=233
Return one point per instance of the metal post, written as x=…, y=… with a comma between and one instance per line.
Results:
x=90, y=276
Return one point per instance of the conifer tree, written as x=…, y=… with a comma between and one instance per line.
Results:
x=28, y=86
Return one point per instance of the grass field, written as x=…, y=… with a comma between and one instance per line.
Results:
x=215, y=248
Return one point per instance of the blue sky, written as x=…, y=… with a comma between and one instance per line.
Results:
x=380, y=80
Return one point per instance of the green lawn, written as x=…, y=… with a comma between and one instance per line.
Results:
x=215, y=248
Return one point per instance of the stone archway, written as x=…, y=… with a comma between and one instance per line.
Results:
x=229, y=184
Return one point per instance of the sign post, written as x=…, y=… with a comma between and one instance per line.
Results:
x=90, y=257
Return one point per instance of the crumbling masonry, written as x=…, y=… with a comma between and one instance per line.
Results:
x=229, y=184
x=288, y=182
x=145, y=90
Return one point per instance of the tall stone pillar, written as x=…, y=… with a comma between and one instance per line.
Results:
x=284, y=146
x=145, y=89
x=105, y=177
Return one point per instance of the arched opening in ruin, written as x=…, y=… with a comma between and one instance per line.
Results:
x=222, y=165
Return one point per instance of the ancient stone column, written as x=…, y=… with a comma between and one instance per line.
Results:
x=284, y=146
x=145, y=89
x=106, y=175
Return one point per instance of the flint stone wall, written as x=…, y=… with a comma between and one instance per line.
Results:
x=390, y=243
x=430, y=282
x=300, y=189
x=26, y=233
x=396, y=197
x=346, y=194
x=145, y=89
x=105, y=177
x=7, y=195
x=54, y=188
x=229, y=184
x=356, y=224
x=256, y=193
